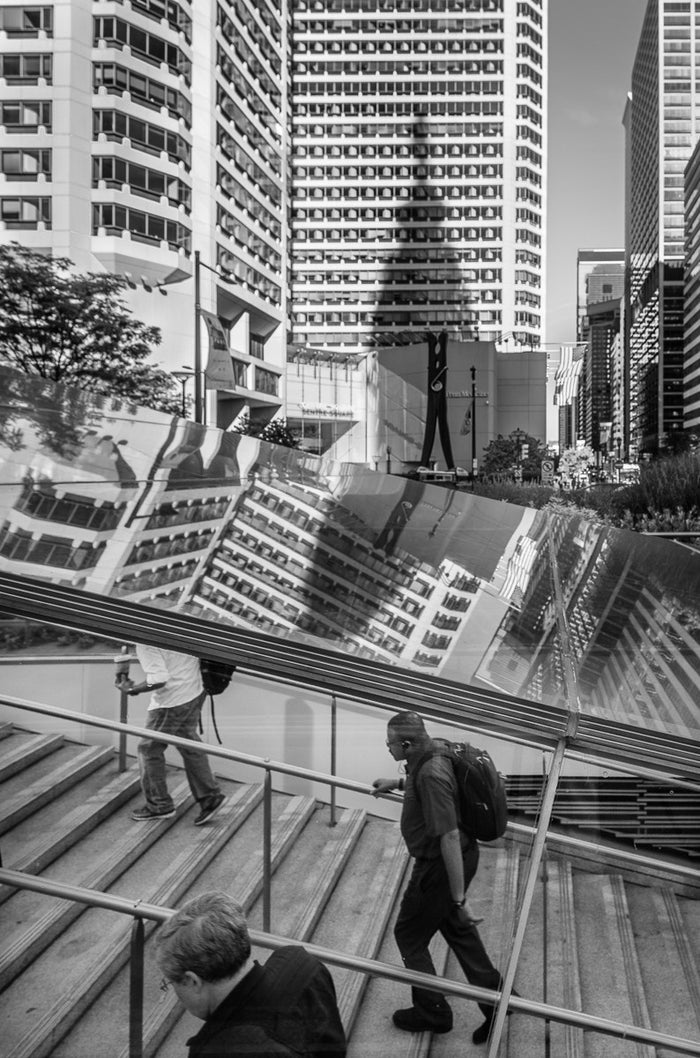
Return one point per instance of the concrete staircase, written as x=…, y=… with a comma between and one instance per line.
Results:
x=611, y=945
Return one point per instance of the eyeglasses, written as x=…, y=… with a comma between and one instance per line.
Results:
x=392, y=742
x=164, y=984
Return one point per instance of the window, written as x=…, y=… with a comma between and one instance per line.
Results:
x=25, y=213
x=25, y=117
x=25, y=164
x=117, y=33
x=115, y=219
x=25, y=69
x=26, y=21
x=117, y=79
x=266, y=382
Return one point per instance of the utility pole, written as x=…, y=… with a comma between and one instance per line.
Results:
x=197, y=343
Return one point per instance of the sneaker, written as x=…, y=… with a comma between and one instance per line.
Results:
x=142, y=815
x=413, y=1020
x=209, y=807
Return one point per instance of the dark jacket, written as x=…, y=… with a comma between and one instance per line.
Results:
x=286, y=1007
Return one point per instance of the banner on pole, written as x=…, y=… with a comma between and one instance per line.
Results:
x=219, y=371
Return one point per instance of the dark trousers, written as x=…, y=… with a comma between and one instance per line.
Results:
x=427, y=909
x=179, y=720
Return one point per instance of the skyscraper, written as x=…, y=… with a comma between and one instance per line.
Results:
x=136, y=134
x=419, y=137
x=662, y=128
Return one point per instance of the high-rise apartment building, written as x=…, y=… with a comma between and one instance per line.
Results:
x=136, y=133
x=419, y=170
x=662, y=127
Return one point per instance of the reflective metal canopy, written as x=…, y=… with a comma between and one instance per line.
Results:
x=546, y=607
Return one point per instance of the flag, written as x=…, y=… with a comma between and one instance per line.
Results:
x=467, y=421
x=566, y=378
x=219, y=370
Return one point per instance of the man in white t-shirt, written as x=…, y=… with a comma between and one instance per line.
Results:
x=177, y=695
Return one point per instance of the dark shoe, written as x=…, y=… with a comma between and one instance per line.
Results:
x=413, y=1020
x=209, y=807
x=142, y=815
x=482, y=1034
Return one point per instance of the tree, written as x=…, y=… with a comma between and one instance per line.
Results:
x=504, y=454
x=75, y=328
x=275, y=431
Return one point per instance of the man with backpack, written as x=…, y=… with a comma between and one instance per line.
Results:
x=287, y=1007
x=174, y=682
x=446, y=857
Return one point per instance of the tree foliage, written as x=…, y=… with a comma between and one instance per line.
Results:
x=75, y=328
x=275, y=431
x=504, y=454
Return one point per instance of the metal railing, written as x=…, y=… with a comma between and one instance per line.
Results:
x=139, y=911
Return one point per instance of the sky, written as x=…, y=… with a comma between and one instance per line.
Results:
x=592, y=44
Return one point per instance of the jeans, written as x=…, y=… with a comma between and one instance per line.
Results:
x=181, y=720
x=427, y=908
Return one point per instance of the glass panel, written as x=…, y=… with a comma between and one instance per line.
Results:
x=544, y=606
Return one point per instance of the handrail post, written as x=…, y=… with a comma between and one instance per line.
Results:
x=122, y=662
x=334, y=749
x=267, y=848
x=136, y=990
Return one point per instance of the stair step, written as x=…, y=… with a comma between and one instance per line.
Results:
x=360, y=908
x=7, y=728
x=310, y=890
x=562, y=962
x=29, y=800
x=667, y=964
x=610, y=979
x=73, y=827
x=92, y=956
x=19, y=757
x=28, y=943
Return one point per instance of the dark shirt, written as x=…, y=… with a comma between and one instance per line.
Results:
x=285, y=1008
x=433, y=811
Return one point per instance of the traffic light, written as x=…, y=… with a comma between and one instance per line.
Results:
x=524, y=452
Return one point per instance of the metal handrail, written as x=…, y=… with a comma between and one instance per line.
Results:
x=373, y=683
x=335, y=781
x=155, y=913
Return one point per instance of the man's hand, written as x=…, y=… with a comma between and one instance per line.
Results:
x=126, y=685
x=384, y=786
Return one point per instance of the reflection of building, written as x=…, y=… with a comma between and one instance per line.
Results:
x=661, y=133
x=134, y=137
x=510, y=393
x=420, y=150
x=292, y=559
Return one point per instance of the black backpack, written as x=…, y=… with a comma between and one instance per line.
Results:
x=216, y=676
x=296, y=1006
x=483, y=807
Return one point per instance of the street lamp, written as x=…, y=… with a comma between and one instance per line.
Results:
x=183, y=378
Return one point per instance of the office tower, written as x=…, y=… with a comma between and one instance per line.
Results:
x=419, y=170
x=137, y=134
x=691, y=330
x=601, y=275
x=662, y=128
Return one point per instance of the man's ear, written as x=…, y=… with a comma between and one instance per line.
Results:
x=192, y=980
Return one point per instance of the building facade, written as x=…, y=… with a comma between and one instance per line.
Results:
x=136, y=134
x=419, y=170
x=661, y=127
x=691, y=321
